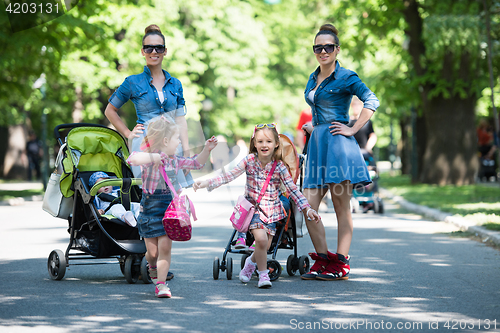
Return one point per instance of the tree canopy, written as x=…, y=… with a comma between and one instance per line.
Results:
x=250, y=60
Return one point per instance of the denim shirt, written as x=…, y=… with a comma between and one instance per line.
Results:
x=140, y=90
x=333, y=97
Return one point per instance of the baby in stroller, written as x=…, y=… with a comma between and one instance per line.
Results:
x=108, y=199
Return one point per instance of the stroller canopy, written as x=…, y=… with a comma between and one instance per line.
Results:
x=93, y=149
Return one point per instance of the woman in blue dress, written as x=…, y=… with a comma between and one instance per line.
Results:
x=334, y=161
x=154, y=92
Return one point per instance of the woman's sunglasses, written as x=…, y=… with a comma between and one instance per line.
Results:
x=150, y=48
x=328, y=48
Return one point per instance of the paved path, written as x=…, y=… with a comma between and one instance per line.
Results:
x=408, y=275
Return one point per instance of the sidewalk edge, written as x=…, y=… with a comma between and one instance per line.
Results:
x=462, y=223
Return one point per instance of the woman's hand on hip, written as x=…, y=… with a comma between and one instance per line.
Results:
x=136, y=132
x=339, y=128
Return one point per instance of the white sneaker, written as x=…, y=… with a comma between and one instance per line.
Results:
x=129, y=218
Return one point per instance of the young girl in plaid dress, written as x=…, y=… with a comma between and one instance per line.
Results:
x=264, y=148
x=158, y=151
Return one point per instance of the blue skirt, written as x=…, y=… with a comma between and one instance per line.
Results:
x=333, y=159
x=150, y=220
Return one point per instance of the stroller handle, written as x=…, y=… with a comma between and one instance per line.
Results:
x=112, y=182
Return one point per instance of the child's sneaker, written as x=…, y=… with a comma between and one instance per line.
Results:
x=162, y=290
x=241, y=243
x=129, y=218
x=264, y=280
x=338, y=268
x=251, y=248
x=153, y=274
x=247, y=271
x=317, y=268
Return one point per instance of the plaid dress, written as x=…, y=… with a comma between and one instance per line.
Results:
x=270, y=203
x=156, y=195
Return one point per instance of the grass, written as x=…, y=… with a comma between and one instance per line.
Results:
x=480, y=203
x=6, y=195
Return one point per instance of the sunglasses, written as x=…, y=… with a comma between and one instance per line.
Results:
x=259, y=126
x=150, y=48
x=328, y=48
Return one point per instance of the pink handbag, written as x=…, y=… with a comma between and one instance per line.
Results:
x=242, y=214
x=177, y=218
x=244, y=210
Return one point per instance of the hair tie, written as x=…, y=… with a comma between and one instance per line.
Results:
x=165, y=119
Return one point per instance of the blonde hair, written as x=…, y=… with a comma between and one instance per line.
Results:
x=158, y=130
x=277, y=151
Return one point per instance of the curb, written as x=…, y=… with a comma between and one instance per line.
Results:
x=436, y=214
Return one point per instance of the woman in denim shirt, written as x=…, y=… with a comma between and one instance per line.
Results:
x=334, y=160
x=154, y=92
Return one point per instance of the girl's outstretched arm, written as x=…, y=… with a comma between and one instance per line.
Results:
x=140, y=158
x=296, y=195
x=210, y=144
x=225, y=178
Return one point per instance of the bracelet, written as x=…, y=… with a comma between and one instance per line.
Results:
x=307, y=213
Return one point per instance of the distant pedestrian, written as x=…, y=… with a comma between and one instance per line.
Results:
x=158, y=151
x=305, y=118
x=35, y=153
x=263, y=158
x=334, y=161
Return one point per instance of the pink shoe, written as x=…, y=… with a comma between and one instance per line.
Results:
x=241, y=243
x=247, y=271
x=264, y=280
x=251, y=248
x=162, y=290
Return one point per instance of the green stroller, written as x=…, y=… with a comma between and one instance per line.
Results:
x=95, y=238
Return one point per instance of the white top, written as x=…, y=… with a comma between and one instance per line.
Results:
x=160, y=96
x=311, y=95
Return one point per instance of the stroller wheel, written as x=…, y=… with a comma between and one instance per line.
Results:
x=122, y=264
x=229, y=268
x=380, y=206
x=243, y=259
x=144, y=271
x=56, y=265
x=292, y=264
x=303, y=264
x=274, y=268
x=132, y=269
x=216, y=268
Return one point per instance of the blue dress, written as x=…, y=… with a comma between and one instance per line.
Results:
x=335, y=158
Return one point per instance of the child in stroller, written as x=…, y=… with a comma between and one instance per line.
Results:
x=109, y=199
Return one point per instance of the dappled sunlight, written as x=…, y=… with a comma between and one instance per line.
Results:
x=371, y=280
x=386, y=240
x=480, y=206
x=379, y=261
x=434, y=260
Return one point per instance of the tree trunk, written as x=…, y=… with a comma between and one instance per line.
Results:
x=451, y=150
